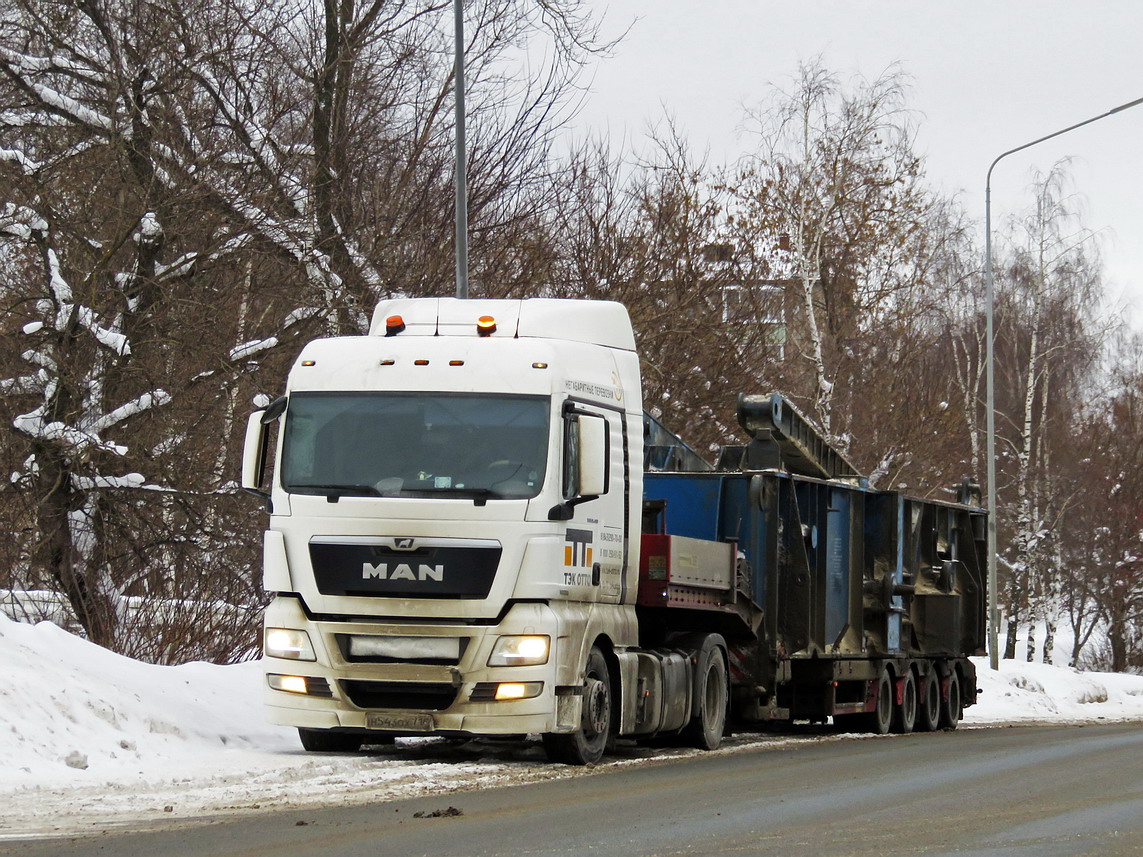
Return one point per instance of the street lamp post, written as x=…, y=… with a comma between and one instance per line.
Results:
x=990, y=405
x=461, y=160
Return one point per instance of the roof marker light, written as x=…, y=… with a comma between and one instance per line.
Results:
x=394, y=324
x=486, y=325
x=539, y=365
x=456, y=363
x=309, y=362
x=389, y=361
x=420, y=362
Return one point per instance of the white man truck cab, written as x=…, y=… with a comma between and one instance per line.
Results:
x=454, y=530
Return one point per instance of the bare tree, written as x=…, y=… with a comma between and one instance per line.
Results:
x=1048, y=346
x=188, y=189
x=834, y=204
x=650, y=231
x=1104, y=591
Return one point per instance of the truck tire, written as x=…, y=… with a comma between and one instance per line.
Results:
x=951, y=707
x=929, y=702
x=880, y=719
x=712, y=696
x=328, y=741
x=585, y=746
x=905, y=714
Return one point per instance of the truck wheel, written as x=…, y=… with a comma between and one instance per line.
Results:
x=328, y=741
x=880, y=719
x=929, y=702
x=951, y=705
x=586, y=745
x=708, y=726
x=905, y=714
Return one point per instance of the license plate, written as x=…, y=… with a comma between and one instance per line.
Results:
x=401, y=722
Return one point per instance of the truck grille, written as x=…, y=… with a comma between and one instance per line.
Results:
x=403, y=567
x=405, y=695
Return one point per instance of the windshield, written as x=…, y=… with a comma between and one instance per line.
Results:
x=415, y=445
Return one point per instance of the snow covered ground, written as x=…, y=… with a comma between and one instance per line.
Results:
x=92, y=739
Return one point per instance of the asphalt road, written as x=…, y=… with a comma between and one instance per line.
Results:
x=1017, y=792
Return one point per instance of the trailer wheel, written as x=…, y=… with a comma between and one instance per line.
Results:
x=880, y=719
x=951, y=706
x=705, y=731
x=586, y=745
x=929, y=703
x=328, y=741
x=905, y=714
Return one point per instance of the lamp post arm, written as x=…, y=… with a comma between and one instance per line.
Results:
x=1003, y=155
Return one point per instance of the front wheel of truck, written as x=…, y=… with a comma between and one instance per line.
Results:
x=586, y=745
x=328, y=741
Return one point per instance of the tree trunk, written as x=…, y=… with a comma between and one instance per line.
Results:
x=1010, y=641
x=1117, y=640
x=73, y=559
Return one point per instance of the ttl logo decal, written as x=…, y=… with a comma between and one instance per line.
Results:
x=577, y=552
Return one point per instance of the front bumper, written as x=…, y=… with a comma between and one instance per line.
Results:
x=414, y=698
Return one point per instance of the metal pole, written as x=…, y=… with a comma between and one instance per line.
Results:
x=461, y=160
x=990, y=403
x=990, y=430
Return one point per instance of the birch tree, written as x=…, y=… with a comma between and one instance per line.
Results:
x=1047, y=347
x=834, y=203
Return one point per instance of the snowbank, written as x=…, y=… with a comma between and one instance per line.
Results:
x=91, y=737
x=1040, y=693
x=75, y=713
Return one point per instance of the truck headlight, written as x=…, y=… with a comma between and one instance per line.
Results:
x=530, y=650
x=289, y=643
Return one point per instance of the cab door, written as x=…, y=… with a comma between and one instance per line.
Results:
x=596, y=484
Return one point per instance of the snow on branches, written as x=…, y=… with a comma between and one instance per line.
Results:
x=77, y=433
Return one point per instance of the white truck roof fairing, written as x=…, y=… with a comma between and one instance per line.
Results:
x=595, y=322
x=495, y=364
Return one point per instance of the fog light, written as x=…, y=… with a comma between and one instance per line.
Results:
x=305, y=685
x=519, y=689
x=288, y=683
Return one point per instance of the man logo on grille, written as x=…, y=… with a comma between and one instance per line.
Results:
x=381, y=571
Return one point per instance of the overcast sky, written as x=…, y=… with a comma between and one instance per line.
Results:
x=988, y=75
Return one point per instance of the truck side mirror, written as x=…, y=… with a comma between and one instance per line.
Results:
x=586, y=448
x=592, y=456
x=254, y=455
x=254, y=449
